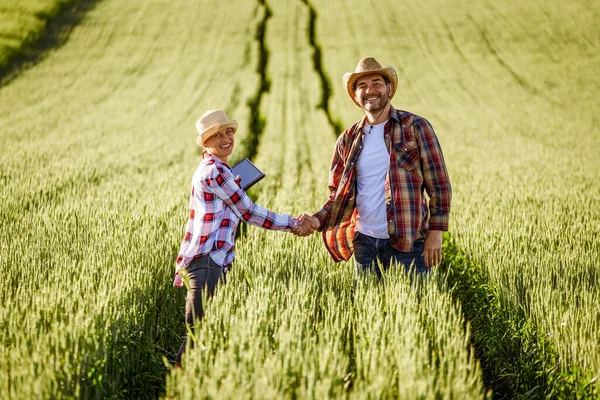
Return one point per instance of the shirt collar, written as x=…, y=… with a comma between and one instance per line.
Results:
x=393, y=114
x=216, y=160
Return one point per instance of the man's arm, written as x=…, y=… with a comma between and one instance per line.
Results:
x=438, y=188
x=435, y=176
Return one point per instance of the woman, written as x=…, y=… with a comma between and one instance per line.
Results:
x=217, y=203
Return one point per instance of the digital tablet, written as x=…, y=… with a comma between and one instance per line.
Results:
x=248, y=173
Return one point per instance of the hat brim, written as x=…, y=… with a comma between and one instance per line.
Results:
x=214, y=129
x=350, y=79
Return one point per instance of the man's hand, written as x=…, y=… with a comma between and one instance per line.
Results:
x=308, y=224
x=432, y=251
x=312, y=222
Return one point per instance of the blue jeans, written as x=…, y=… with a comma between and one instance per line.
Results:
x=369, y=250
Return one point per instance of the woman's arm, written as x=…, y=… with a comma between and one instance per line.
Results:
x=222, y=183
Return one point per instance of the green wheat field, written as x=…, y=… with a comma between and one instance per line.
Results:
x=97, y=149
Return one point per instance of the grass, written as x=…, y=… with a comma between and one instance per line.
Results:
x=97, y=152
x=290, y=323
x=89, y=167
x=31, y=28
x=501, y=82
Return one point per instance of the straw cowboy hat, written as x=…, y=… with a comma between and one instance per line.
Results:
x=369, y=66
x=212, y=122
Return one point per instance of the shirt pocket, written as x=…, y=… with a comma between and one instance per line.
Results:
x=407, y=155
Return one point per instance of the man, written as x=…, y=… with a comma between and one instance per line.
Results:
x=381, y=168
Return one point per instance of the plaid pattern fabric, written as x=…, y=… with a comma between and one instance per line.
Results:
x=416, y=166
x=217, y=203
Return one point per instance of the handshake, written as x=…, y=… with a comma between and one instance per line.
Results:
x=307, y=225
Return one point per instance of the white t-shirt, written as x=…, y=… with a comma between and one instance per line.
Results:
x=371, y=169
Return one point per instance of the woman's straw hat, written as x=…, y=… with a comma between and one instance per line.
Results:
x=212, y=122
x=369, y=66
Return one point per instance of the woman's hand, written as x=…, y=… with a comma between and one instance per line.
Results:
x=307, y=225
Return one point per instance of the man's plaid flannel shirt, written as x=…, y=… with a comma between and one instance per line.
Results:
x=217, y=203
x=416, y=166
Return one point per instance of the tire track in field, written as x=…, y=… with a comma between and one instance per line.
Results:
x=349, y=329
x=285, y=151
x=512, y=334
x=54, y=35
x=257, y=121
x=479, y=301
x=510, y=351
x=517, y=359
x=136, y=377
x=31, y=200
x=326, y=88
x=310, y=165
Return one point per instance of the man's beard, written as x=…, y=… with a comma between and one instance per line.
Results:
x=374, y=107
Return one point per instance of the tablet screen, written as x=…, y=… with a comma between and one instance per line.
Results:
x=248, y=173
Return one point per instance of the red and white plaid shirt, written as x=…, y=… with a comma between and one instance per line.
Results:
x=416, y=166
x=217, y=203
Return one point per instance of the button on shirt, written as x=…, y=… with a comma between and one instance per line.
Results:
x=217, y=203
